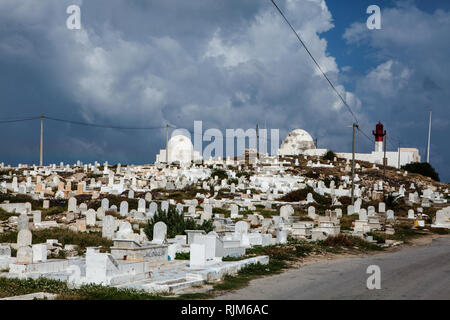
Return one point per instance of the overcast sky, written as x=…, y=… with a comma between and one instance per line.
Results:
x=230, y=63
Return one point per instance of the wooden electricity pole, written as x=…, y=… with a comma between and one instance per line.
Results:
x=399, y=152
x=355, y=126
x=257, y=141
x=429, y=137
x=385, y=159
x=41, y=158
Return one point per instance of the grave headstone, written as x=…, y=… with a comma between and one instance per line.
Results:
x=24, y=255
x=72, y=204
x=153, y=207
x=108, y=227
x=22, y=222
x=100, y=213
x=123, y=209
x=241, y=227
x=24, y=238
x=159, y=232
x=165, y=206
x=141, y=205
x=37, y=217
x=39, y=252
x=105, y=204
x=312, y=212
x=390, y=215
x=91, y=217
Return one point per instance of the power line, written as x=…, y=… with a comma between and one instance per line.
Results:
x=19, y=120
x=84, y=123
x=315, y=61
x=102, y=125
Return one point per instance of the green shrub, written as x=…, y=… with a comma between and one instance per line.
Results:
x=64, y=236
x=15, y=287
x=182, y=256
x=342, y=240
x=176, y=223
x=423, y=168
x=220, y=173
x=330, y=155
x=6, y=215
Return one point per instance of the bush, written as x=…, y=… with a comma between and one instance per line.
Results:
x=425, y=169
x=14, y=287
x=64, y=236
x=176, y=223
x=6, y=215
x=221, y=174
x=323, y=202
x=297, y=195
x=182, y=256
x=330, y=155
x=346, y=241
x=245, y=174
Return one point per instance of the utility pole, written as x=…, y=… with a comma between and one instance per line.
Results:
x=167, y=144
x=355, y=126
x=385, y=159
x=257, y=141
x=399, y=152
x=429, y=137
x=41, y=158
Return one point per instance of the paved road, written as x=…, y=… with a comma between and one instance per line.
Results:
x=421, y=272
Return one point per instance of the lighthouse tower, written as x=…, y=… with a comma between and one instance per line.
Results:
x=379, y=137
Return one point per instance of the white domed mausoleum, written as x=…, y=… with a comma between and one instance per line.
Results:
x=180, y=150
x=298, y=142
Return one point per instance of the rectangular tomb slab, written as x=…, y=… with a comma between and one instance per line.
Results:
x=151, y=252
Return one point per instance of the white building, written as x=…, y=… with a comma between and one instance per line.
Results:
x=181, y=150
x=300, y=142
x=407, y=155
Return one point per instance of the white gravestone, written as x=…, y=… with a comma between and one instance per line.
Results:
x=72, y=204
x=91, y=217
x=141, y=205
x=165, y=206
x=123, y=209
x=105, y=204
x=24, y=238
x=39, y=252
x=108, y=227
x=159, y=232
x=22, y=222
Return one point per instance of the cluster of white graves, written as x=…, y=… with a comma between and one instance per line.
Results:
x=137, y=262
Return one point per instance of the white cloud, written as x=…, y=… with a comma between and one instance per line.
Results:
x=412, y=73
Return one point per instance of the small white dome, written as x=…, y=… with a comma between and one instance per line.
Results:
x=296, y=142
x=180, y=143
x=180, y=149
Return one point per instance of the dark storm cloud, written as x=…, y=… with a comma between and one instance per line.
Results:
x=145, y=63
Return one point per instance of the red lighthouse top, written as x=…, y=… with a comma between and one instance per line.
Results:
x=379, y=133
